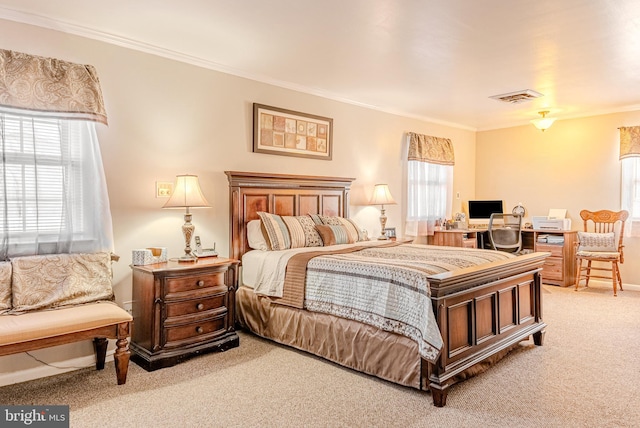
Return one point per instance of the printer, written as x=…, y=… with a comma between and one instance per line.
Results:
x=555, y=220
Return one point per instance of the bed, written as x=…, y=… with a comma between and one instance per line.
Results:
x=480, y=312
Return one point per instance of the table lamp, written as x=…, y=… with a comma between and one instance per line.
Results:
x=382, y=196
x=187, y=194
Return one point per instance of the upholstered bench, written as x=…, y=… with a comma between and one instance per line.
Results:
x=62, y=298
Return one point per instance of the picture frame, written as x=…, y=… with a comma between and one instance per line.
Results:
x=390, y=232
x=285, y=132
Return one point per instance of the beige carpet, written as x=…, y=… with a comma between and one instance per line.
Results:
x=587, y=374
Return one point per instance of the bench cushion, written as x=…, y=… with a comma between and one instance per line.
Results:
x=5, y=287
x=44, y=324
x=55, y=280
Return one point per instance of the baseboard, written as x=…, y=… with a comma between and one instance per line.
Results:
x=45, y=370
x=607, y=284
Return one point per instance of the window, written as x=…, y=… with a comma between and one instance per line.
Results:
x=52, y=190
x=430, y=163
x=631, y=194
x=429, y=194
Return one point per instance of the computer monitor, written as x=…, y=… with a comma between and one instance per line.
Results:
x=480, y=211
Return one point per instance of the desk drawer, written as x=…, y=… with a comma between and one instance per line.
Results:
x=552, y=268
x=554, y=249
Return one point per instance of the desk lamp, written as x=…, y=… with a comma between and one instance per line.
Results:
x=187, y=194
x=382, y=196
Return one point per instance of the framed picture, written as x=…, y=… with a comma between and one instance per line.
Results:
x=390, y=232
x=290, y=133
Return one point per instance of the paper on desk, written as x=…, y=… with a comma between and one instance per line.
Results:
x=557, y=213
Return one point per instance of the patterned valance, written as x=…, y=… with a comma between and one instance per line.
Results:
x=629, y=141
x=50, y=87
x=424, y=148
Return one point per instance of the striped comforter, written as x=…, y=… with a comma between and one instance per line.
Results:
x=388, y=287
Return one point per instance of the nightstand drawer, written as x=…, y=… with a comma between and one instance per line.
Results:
x=194, y=332
x=188, y=307
x=193, y=282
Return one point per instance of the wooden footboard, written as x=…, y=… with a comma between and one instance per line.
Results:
x=482, y=312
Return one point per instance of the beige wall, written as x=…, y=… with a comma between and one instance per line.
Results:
x=168, y=118
x=572, y=165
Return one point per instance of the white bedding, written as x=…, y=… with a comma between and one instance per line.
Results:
x=264, y=270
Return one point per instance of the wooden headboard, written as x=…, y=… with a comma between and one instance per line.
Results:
x=283, y=194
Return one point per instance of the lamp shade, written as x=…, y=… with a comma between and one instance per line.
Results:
x=382, y=195
x=544, y=122
x=186, y=193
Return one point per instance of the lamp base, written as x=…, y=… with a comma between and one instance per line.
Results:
x=383, y=238
x=187, y=258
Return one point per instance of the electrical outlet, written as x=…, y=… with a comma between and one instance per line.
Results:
x=128, y=306
x=164, y=189
x=457, y=195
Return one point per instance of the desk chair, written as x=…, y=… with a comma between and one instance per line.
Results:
x=506, y=236
x=601, y=241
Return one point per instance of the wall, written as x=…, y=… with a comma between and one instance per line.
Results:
x=572, y=165
x=168, y=118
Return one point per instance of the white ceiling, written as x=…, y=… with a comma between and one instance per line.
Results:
x=438, y=60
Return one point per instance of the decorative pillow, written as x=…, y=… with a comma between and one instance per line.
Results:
x=316, y=218
x=255, y=236
x=332, y=235
x=356, y=232
x=302, y=231
x=600, y=242
x=5, y=286
x=277, y=231
x=41, y=282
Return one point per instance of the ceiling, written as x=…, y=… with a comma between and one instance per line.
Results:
x=434, y=60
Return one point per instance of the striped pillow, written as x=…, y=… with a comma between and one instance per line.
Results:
x=277, y=231
x=333, y=235
x=355, y=231
x=302, y=231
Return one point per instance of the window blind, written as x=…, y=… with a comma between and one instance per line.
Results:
x=52, y=190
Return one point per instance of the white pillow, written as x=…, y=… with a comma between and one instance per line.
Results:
x=255, y=236
x=590, y=241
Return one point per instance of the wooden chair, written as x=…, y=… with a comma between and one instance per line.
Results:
x=601, y=242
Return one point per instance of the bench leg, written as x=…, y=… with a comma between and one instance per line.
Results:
x=121, y=358
x=100, y=346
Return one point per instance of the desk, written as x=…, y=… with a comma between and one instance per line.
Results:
x=457, y=238
x=560, y=266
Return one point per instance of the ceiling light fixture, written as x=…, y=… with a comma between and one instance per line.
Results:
x=544, y=122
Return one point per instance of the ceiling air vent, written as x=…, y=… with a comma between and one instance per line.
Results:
x=518, y=96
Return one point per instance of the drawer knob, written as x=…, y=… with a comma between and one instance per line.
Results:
x=199, y=329
x=200, y=306
x=200, y=283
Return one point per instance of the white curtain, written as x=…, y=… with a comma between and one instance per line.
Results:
x=53, y=194
x=631, y=194
x=429, y=196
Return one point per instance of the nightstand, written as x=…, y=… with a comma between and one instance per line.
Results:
x=182, y=309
